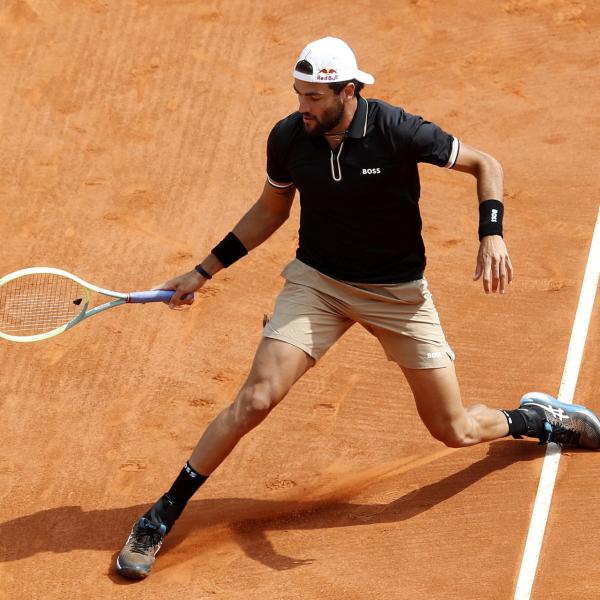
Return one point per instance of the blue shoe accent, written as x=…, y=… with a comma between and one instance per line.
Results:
x=161, y=528
x=566, y=424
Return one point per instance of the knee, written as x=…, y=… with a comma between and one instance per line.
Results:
x=252, y=406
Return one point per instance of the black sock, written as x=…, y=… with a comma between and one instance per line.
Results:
x=186, y=484
x=517, y=425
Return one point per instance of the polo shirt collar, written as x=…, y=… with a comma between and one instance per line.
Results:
x=358, y=127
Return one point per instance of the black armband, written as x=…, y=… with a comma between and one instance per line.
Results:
x=229, y=250
x=200, y=269
x=491, y=213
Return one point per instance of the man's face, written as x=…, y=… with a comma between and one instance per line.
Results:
x=320, y=107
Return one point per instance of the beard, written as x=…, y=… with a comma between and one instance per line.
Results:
x=330, y=119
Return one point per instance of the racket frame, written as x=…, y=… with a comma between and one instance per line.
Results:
x=120, y=298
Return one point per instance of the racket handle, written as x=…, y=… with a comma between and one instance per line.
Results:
x=150, y=296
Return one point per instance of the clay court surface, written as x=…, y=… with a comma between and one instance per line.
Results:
x=132, y=138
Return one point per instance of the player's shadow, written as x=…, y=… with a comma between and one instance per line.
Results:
x=67, y=528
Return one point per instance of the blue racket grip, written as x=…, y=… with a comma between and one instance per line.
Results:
x=151, y=296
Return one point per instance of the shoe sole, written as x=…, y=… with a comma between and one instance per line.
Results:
x=131, y=572
x=585, y=422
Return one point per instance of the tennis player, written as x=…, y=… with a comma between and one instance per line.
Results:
x=360, y=259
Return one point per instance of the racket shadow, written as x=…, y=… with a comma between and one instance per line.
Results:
x=245, y=520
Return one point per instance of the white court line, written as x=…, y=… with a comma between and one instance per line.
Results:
x=543, y=497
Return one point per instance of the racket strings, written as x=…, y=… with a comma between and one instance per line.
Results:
x=39, y=303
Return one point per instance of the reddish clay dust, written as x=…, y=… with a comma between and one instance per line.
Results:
x=132, y=138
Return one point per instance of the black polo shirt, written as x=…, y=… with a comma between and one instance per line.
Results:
x=359, y=216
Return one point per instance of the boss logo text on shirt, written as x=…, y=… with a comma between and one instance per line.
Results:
x=374, y=171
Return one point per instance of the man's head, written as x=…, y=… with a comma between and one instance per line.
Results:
x=327, y=80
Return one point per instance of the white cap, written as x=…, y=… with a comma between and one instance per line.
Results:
x=331, y=60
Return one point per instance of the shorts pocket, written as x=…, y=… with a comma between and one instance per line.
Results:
x=295, y=271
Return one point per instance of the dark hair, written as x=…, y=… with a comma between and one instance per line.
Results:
x=338, y=86
x=303, y=66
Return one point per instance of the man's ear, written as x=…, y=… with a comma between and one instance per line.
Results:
x=350, y=90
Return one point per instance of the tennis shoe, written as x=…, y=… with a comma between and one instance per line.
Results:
x=139, y=552
x=569, y=425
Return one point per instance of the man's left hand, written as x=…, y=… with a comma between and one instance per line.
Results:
x=494, y=264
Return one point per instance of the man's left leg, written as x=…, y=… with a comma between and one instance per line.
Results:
x=406, y=323
x=437, y=396
x=541, y=416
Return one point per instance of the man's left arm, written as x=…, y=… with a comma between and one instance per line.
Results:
x=493, y=262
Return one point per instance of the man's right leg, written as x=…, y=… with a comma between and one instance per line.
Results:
x=277, y=366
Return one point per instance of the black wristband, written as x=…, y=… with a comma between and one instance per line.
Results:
x=229, y=250
x=491, y=213
x=203, y=272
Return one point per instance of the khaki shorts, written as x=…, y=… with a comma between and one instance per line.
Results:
x=313, y=311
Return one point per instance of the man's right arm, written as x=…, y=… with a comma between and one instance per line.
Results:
x=267, y=214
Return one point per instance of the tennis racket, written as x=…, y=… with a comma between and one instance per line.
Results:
x=41, y=302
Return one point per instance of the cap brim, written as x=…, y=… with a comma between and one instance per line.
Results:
x=364, y=77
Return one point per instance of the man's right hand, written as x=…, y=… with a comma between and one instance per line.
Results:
x=185, y=285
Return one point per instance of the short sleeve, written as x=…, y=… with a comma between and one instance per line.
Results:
x=431, y=144
x=277, y=173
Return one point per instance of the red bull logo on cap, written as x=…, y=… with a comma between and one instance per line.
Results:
x=327, y=74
